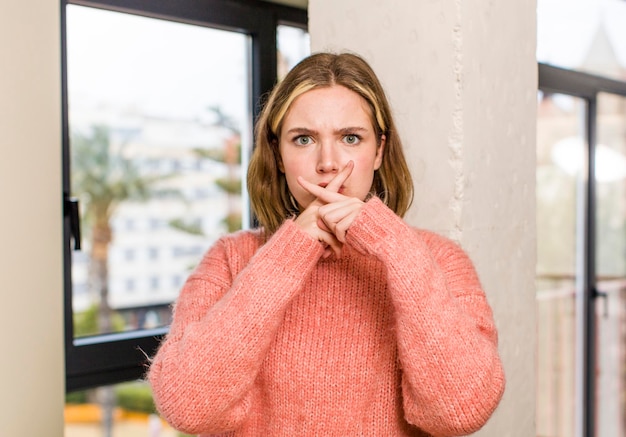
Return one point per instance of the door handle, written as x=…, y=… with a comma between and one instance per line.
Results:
x=71, y=207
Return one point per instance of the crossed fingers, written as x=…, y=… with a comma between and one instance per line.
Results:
x=336, y=211
x=330, y=193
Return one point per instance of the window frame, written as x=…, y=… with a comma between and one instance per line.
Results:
x=587, y=87
x=113, y=358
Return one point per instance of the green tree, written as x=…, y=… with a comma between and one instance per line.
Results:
x=87, y=322
x=103, y=177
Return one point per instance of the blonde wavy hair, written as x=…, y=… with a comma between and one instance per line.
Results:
x=270, y=198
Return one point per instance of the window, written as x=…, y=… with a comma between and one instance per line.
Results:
x=581, y=219
x=293, y=44
x=581, y=279
x=560, y=197
x=158, y=119
x=610, y=264
x=581, y=273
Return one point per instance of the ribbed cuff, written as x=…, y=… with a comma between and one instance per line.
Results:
x=292, y=250
x=377, y=228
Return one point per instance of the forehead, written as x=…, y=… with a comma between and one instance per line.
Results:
x=329, y=105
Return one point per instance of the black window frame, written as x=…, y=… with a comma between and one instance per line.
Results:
x=113, y=358
x=586, y=86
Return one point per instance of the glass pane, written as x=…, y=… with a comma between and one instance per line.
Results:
x=293, y=45
x=611, y=265
x=560, y=154
x=585, y=35
x=159, y=117
x=123, y=410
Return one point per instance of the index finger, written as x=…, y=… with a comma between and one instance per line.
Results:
x=323, y=194
x=336, y=183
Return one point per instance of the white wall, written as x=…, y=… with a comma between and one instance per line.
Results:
x=461, y=77
x=31, y=320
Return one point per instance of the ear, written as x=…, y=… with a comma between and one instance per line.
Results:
x=378, y=161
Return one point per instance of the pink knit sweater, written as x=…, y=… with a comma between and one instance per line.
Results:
x=395, y=338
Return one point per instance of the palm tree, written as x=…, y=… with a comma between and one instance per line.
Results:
x=102, y=178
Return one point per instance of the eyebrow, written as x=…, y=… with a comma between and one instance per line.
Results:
x=343, y=130
x=352, y=129
x=301, y=131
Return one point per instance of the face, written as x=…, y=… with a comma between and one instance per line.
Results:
x=323, y=130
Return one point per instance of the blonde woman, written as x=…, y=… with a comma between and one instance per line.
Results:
x=334, y=318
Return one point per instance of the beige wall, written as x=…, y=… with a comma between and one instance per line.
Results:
x=461, y=77
x=31, y=320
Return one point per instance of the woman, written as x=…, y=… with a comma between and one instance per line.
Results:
x=335, y=317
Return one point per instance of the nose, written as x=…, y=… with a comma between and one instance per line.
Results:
x=327, y=161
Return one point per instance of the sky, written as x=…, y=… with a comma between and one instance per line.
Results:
x=162, y=68
x=566, y=28
x=173, y=69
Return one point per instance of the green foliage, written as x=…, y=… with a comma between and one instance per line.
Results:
x=76, y=397
x=231, y=186
x=103, y=175
x=194, y=228
x=218, y=155
x=131, y=396
x=232, y=221
x=135, y=396
x=86, y=322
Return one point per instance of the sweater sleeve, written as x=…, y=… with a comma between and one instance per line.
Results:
x=452, y=377
x=223, y=324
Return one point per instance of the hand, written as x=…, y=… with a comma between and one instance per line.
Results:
x=310, y=220
x=338, y=216
x=336, y=211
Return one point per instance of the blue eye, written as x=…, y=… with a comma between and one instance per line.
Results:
x=352, y=139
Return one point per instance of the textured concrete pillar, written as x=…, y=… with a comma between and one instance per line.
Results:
x=461, y=77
